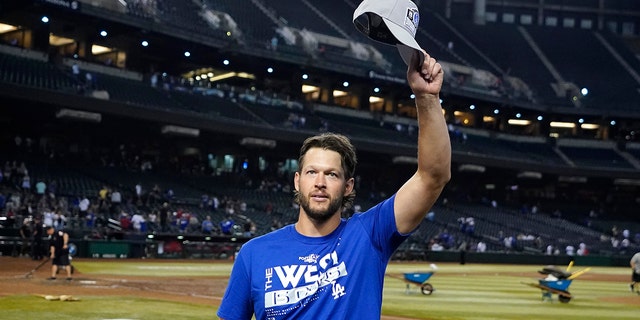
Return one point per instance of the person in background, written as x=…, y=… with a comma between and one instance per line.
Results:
x=25, y=237
x=635, y=273
x=59, y=252
x=37, y=249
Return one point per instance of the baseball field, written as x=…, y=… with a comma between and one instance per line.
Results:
x=192, y=289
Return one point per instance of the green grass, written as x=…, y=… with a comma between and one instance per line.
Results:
x=474, y=292
x=100, y=307
x=155, y=269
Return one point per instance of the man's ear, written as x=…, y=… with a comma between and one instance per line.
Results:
x=296, y=181
x=349, y=186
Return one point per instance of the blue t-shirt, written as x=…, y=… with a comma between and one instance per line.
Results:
x=285, y=275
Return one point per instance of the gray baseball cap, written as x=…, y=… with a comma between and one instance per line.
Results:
x=392, y=22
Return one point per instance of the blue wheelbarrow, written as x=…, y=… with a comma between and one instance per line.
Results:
x=418, y=279
x=557, y=282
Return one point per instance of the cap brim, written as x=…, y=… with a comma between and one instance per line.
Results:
x=407, y=44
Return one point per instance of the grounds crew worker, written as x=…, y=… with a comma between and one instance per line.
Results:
x=59, y=252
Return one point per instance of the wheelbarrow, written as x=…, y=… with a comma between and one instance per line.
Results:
x=418, y=279
x=557, y=282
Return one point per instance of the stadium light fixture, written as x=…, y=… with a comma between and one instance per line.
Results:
x=589, y=126
x=345, y=84
x=270, y=70
x=44, y=19
x=187, y=54
x=519, y=122
x=104, y=33
x=584, y=91
x=376, y=90
x=225, y=62
x=96, y=49
x=307, y=88
x=539, y=118
x=57, y=41
x=374, y=99
x=305, y=76
x=181, y=131
x=4, y=28
x=559, y=124
x=412, y=96
x=339, y=93
x=472, y=107
x=144, y=43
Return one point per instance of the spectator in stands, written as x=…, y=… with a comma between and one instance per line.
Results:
x=471, y=226
x=3, y=201
x=116, y=200
x=152, y=220
x=624, y=245
x=154, y=80
x=137, y=221
x=26, y=183
x=348, y=249
x=273, y=44
x=48, y=217
x=436, y=246
x=83, y=206
x=226, y=225
x=90, y=219
x=194, y=223
x=582, y=249
x=125, y=221
x=481, y=246
x=570, y=250
x=164, y=217
x=41, y=188
x=207, y=225
x=59, y=220
x=249, y=228
x=75, y=73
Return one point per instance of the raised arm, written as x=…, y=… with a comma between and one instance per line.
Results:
x=416, y=197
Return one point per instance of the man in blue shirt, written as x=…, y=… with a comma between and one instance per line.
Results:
x=327, y=267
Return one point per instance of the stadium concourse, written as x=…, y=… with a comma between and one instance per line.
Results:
x=111, y=111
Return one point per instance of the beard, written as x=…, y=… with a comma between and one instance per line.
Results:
x=320, y=215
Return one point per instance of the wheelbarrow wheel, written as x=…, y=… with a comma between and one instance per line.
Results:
x=564, y=299
x=426, y=289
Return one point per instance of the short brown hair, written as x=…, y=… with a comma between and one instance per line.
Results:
x=334, y=142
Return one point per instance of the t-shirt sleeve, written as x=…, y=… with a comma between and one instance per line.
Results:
x=236, y=302
x=380, y=223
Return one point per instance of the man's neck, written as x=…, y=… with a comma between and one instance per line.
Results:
x=313, y=228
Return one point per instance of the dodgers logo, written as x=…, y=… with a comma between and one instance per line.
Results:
x=412, y=19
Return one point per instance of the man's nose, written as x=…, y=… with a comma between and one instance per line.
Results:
x=320, y=181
